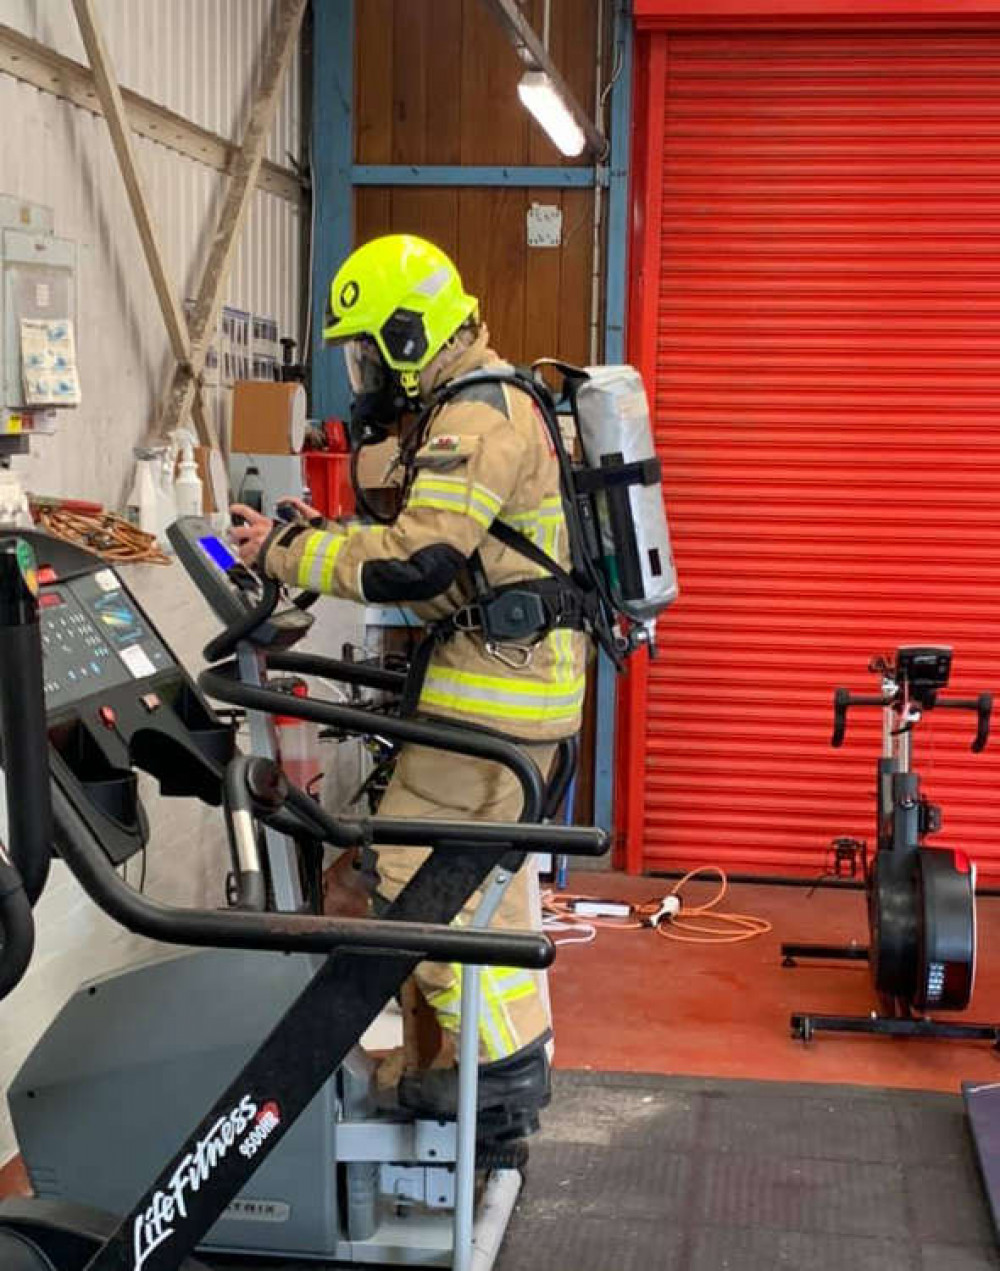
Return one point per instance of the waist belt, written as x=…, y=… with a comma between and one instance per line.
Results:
x=511, y=619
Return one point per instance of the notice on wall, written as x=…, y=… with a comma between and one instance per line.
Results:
x=48, y=362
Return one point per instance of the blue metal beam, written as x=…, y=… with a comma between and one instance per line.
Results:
x=442, y=174
x=616, y=287
x=332, y=157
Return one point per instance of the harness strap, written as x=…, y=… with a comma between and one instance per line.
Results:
x=510, y=537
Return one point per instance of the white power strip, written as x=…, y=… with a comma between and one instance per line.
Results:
x=601, y=908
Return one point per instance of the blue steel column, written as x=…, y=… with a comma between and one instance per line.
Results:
x=332, y=160
x=616, y=284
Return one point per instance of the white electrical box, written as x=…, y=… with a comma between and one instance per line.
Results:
x=544, y=225
x=37, y=282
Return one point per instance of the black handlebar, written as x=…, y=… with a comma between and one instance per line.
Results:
x=983, y=707
x=25, y=861
x=279, y=932
x=358, y=673
x=569, y=840
x=225, y=643
x=17, y=927
x=844, y=700
x=23, y=730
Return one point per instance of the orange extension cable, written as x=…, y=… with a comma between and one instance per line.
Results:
x=692, y=924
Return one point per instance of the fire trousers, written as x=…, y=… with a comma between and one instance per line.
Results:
x=431, y=783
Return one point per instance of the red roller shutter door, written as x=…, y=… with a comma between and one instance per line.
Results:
x=825, y=367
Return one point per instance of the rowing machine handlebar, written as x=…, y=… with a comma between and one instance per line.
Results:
x=983, y=707
x=844, y=700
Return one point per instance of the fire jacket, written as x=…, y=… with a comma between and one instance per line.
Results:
x=485, y=455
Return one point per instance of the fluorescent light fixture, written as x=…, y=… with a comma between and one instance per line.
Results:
x=539, y=95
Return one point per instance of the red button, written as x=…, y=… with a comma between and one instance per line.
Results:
x=107, y=716
x=46, y=576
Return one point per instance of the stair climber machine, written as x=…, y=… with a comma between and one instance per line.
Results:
x=217, y=1101
x=921, y=900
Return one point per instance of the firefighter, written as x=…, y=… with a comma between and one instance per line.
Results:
x=407, y=327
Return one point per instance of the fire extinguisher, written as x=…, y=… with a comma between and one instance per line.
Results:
x=297, y=740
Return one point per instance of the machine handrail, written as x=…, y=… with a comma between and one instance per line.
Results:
x=222, y=683
x=358, y=673
x=225, y=643
x=23, y=729
x=25, y=861
x=279, y=932
x=17, y=927
x=570, y=840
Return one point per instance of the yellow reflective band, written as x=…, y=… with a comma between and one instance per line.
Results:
x=455, y=494
x=543, y=525
x=510, y=985
x=516, y=995
x=562, y=654
x=500, y=697
x=319, y=556
x=495, y=1029
x=438, y=503
x=496, y=1032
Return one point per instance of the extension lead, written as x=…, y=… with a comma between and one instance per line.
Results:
x=669, y=916
x=670, y=907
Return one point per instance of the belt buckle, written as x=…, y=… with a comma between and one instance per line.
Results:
x=468, y=618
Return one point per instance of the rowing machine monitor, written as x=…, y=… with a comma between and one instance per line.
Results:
x=924, y=670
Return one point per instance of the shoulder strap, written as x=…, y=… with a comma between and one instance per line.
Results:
x=519, y=542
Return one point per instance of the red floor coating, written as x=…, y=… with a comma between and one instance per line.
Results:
x=635, y=1002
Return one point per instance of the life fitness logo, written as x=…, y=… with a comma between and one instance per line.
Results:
x=247, y=1127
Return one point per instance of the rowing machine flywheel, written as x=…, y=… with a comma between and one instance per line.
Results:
x=946, y=887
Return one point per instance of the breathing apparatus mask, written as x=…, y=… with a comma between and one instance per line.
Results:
x=378, y=398
x=379, y=403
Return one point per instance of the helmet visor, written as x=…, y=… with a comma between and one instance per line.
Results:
x=366, y=370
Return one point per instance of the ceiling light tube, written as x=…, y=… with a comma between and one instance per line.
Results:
x=540, y=96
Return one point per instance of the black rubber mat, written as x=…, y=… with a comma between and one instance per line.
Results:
x=683, y=1174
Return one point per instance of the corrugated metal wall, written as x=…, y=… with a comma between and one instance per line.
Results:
x=199, y=58
x=826, y=302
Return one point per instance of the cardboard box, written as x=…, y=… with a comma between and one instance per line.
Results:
x=268, y=419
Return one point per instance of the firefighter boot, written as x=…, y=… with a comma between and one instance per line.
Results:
x=510, y=1093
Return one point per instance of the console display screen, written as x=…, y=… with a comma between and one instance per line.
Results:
x=217, y=552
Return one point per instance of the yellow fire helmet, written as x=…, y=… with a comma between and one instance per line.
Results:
x=405, y=294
